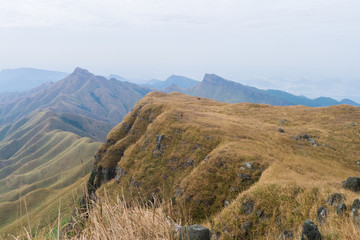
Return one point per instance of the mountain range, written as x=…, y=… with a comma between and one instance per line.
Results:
x=48, y=134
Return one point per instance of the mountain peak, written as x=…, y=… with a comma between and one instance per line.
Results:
x=213, y=78
x=82, y=72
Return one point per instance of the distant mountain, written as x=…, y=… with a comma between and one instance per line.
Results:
x=23, y=79
x=180, y=81
x=217, y=88
x=117, y=77
x=80, y=93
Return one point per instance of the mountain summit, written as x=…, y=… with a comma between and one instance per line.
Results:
x=79, y=93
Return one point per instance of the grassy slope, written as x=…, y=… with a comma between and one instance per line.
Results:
x=201, y=156
x=40, y=163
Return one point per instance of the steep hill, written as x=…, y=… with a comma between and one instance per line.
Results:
x=80, y=93
x=41, y=159
x=23, y=79
x=219, y=89
x=247, y=171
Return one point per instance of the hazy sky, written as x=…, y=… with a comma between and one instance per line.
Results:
x=155, y=38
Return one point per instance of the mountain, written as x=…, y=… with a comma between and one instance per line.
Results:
x=80, y=93
x=42, y=160
x=180, y=81
x=217, y=88
x=246, y=171
x=23, y=79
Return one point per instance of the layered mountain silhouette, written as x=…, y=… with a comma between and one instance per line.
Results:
x=217, y=88
x=80, y=93
x=180, y=81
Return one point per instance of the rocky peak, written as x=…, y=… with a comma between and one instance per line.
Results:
x=82, y=72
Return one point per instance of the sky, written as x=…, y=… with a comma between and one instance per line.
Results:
x=278, y=40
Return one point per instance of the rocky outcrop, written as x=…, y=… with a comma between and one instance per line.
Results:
x=310, y=231
x=194, y=232
x=352, y=183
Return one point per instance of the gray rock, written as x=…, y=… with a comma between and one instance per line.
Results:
x=356, y=204
x=335, y=199
x=158, y=140
x=248, y=207
x=352, y=124
x=310, y=231
x=260, y=213
x=281, y=130
x=246, y=228
x=340, y=209
x=358, y=162
x=322, y=214
x=226, y=203
x=244, y=176
x=286, y=235
x=248, y=165
x=194, y=232
x=352, y=183
x=119, y=173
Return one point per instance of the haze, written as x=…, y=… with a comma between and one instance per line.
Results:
x=276, y=43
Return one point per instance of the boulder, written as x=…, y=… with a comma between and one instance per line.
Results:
x=322, y=214
x=340, y=209
x=356, y=204
x=194, y=232
x=352, y=183
x=310, y=231
x=335, y=199
x=281, y=130
x=248, y=207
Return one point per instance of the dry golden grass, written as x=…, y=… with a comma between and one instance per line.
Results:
x=217, y=138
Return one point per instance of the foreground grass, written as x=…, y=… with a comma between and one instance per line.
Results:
x=112, y=219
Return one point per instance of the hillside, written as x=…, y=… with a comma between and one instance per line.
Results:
x=247, y=171
x=23, y=79
x=42, y=160
x=80, y=93
x=219, y=89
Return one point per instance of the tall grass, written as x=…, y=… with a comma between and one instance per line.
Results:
x=113, y=219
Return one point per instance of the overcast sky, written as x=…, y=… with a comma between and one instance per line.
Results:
x=155, y=38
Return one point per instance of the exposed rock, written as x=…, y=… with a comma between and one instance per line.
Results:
x=310, y=231
x=260, y=213
x=158, y=140
x=135, y=183
x=248, y=207
x=306, y=137
x=358, y=162
x=244, y=176
x=283, y=121
x=226, y=203
x=340, y=209
x=281, y=130
x=352, y=124
x=356, y=204
x=322, y=214
x=335, y=199
x=108, y=174
x=246, y=228
x=248, y=165
x=188, y=163
x=286, y=235
x=119, y=173
x=352, y=183
x=194, y=232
